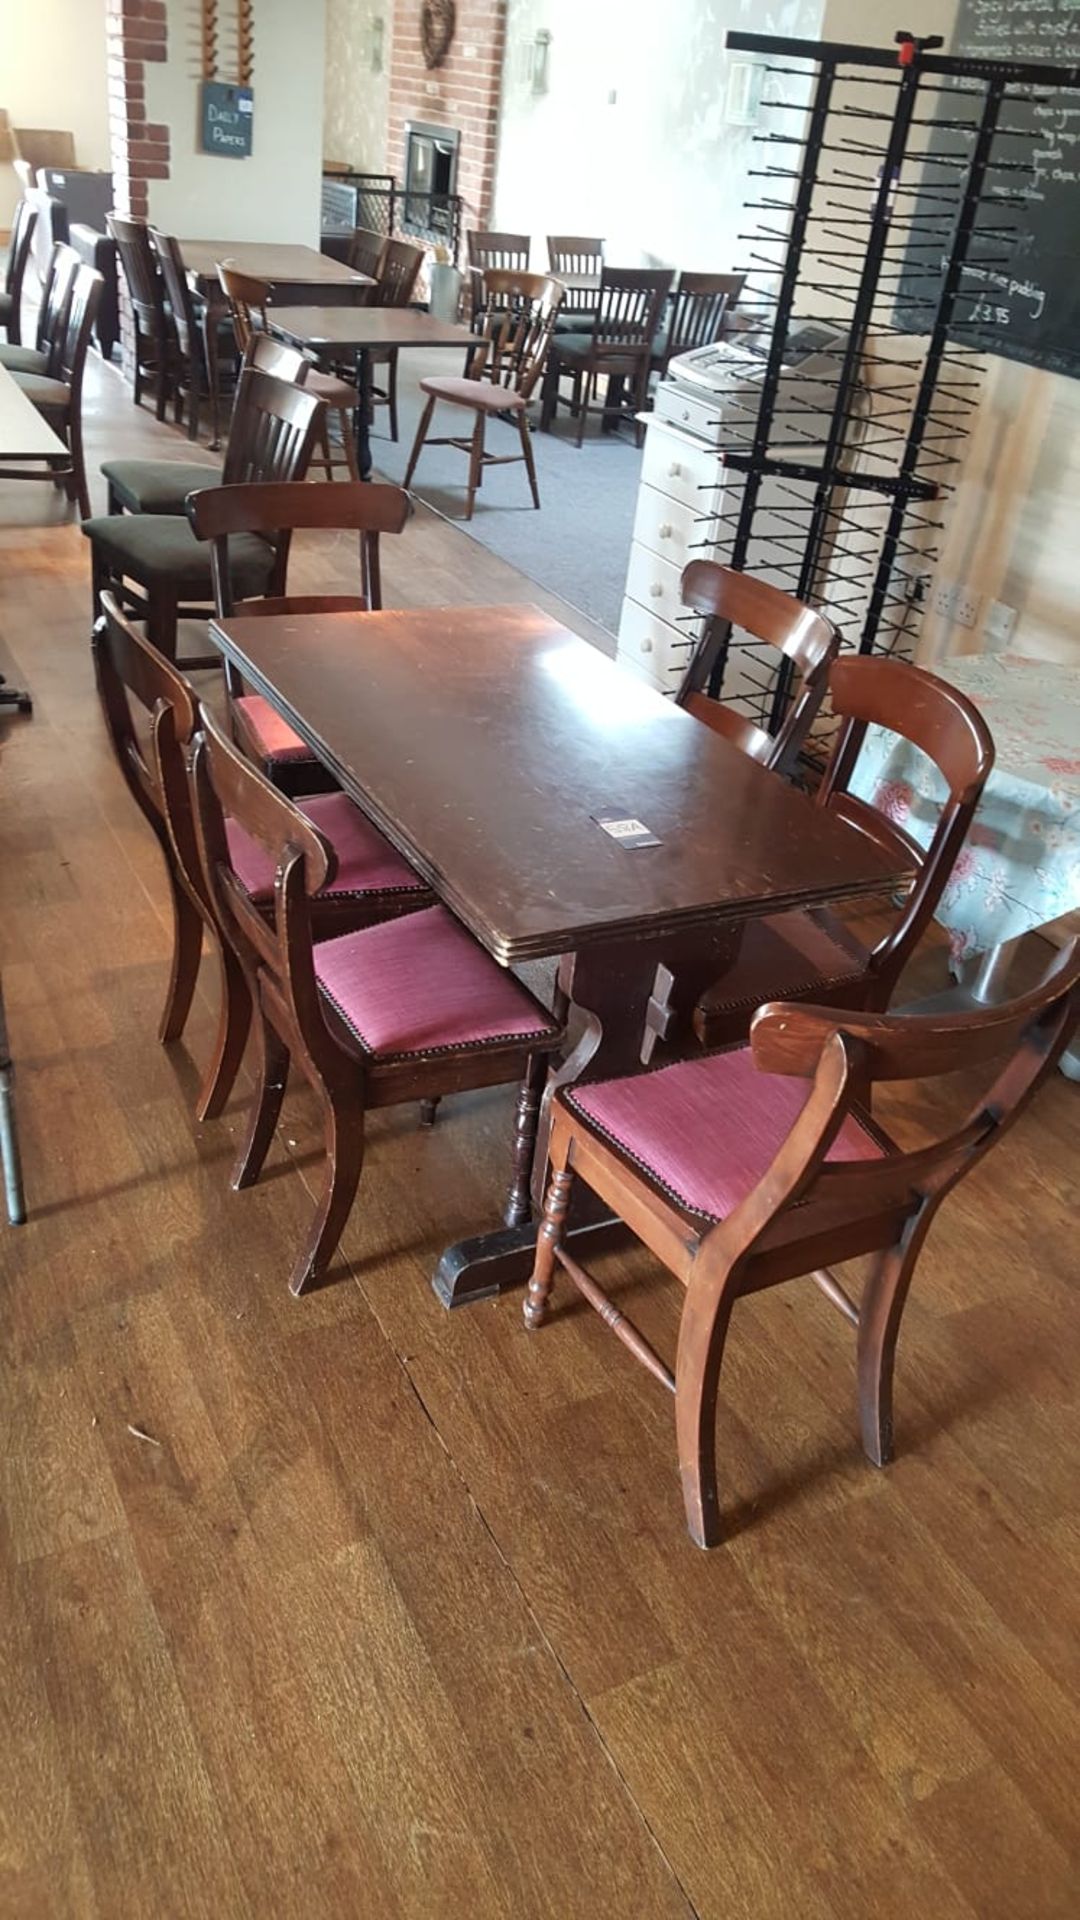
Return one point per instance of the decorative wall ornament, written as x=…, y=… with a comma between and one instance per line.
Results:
x=437, y=21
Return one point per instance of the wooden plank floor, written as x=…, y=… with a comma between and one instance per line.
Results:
x=347, y=1606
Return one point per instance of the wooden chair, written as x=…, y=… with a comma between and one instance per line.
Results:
x=44, y=355
x=488, y=252
x=248, y=300
x=399, y=271
x=366, y=251
x=167, y=570
x=815, y=956
x=738, y=1180
x=156, y=354
x=192, y=377
x=19, y=242
x=162, y=486
x=699, y=311
x=578, y=261
x=10, y=1159
x=521, y=309
x=412, y=1009
x=152, y=713
x=805, y=638
x=219, y=515
x=59, y=400
x=618, y=350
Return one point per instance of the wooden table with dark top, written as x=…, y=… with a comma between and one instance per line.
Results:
x=334, y=332
x=484, y=741
x=299, y=273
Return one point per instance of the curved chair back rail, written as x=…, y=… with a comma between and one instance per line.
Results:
x=731, y=599
x=360, y=507
x=20, y=239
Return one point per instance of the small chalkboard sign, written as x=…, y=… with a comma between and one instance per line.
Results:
x=226, y=115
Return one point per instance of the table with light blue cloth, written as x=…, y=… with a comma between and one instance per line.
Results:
x=1020, y=865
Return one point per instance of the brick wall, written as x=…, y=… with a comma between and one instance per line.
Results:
x=463, y=93
x=139, y=148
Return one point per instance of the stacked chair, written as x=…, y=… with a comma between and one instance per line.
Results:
x=57, y=391
x=20, y=241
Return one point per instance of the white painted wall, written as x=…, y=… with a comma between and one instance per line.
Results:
x=52, y=74
x=357, y=101
x=655, y=170
x=274, y=195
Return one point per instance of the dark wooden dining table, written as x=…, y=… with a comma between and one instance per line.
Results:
x=488, y=743
x=333, y=333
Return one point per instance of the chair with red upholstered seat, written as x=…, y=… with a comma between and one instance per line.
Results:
x=807, y=639
x=516, y=318
x=815, y=956
x=739, y=1176
x=391, y=1013
x=367, y=881
x=218, y=515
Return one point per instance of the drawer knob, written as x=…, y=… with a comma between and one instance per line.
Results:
x=666, y=531
x=646, y=645
x=655, y=589
x=674, y=470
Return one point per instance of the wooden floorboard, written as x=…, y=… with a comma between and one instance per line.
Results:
x=348, y=1606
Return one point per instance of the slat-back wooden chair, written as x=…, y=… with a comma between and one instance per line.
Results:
x=578, y=261
x=399, y=271
x=737, y=1177
x=805, y=638
x=148, y=703
x=248, y=300
x=408, y=1010
x=618, y=350
x=487, y=251
x=24, y=220
x=44, y=355
x=520, y=310
x=815, y=956
x=700, y=308
x=192, y=378
x=218, y=515
x=153, y=563
x=156, y=354
x=366, y=251
x=59, y=398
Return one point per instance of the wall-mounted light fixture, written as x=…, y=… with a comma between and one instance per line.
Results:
x=541, y=55
x=376, y=43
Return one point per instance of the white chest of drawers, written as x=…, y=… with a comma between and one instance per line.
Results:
x=679, y=500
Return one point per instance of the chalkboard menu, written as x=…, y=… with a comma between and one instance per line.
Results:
x=1025, y=300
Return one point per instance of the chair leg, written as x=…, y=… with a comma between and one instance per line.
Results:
x=272, y=1073
x=234, y=1025
x=583, y=408
x=343, y=1123
x=161, y=621
x=348, y=441
x=9, y=1151
x=527, y=455
x=476, y=464
x=428, y=1110
x=186, y=954
x=391, y=391
x=880, y=1314
x=549, y=1237
x=194, y=399
x=526, y=1121
x=697, y=1376
x=421, y=436
x=78, y=463
x=324, y=443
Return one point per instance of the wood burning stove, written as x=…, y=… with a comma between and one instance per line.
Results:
x=431, y=159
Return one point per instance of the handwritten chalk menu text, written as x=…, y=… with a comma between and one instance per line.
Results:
x=1022, y=287
x=226, y=117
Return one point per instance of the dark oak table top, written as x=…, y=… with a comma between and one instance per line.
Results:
x=280, y=264
x=482, y=740
x=351, y=328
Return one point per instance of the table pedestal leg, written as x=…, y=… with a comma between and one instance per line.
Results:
x=625, y=1000
x=982, y=983
x=364, y=412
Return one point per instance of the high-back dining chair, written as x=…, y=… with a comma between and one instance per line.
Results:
x=517, y=321
x=815, y=956
x=218, y=515
x=366, y=250
x=59, y=398
x=618, y=350
x=165, y=568
x=248, y=300
x=487, y=251
x=152, y=712
x=156, y=354
x=578, y=261
x=700, y=308
x=44, y=355
x=399, y=271
x=192, y=378
x=410, y=1009
x=805, y=638
x=738, y=1176
x=23, y=222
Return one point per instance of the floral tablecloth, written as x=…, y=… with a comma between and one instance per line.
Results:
x=1020, y=865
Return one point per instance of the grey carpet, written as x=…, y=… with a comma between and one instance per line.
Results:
x=578, y=544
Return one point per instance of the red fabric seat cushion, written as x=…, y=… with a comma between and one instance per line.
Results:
x=705, y=1130
x=786, y=955
x=272, y=737
x=422, y=984
x=484, y=394
x=367, y=863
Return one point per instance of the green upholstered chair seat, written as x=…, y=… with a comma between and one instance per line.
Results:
x=569, y=347
x=49, y=396
x=23, y=360
x=6, y=305
x=157, y=486
x=157, y=548
x=574, y=323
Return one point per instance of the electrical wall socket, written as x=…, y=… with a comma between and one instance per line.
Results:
x=958, y=604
